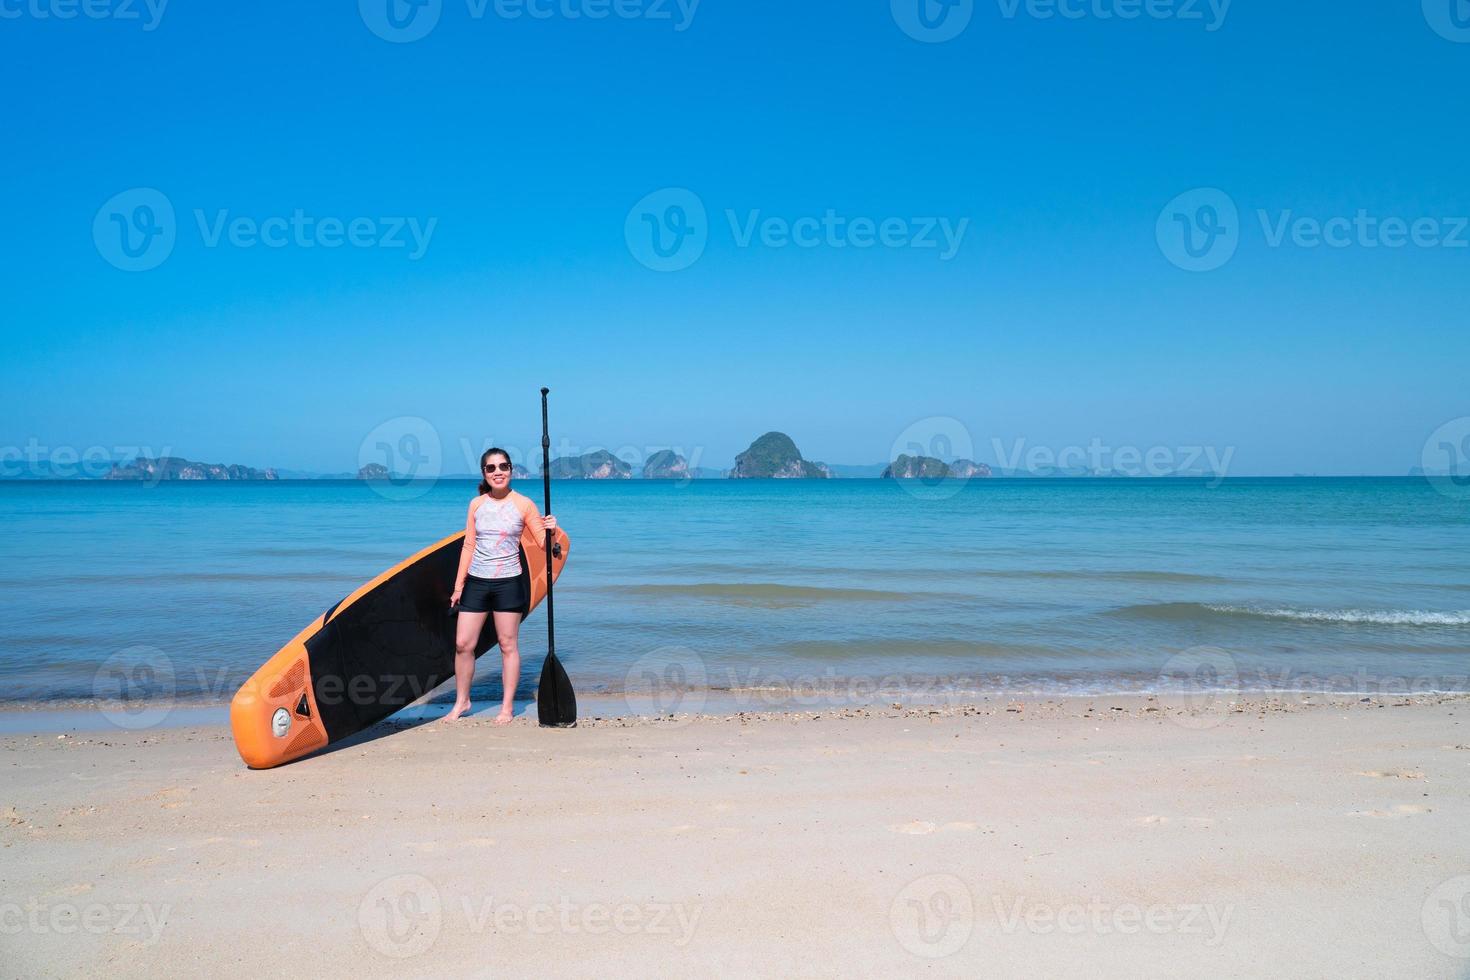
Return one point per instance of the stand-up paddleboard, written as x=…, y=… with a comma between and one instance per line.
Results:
x=379, y=650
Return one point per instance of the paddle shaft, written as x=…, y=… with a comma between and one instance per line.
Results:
x=546, y=484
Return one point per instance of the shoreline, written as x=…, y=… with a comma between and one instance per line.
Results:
x=1061, y=837
x=41, y=717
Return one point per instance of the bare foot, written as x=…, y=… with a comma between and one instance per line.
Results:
x=460, y=707
x=505, y=717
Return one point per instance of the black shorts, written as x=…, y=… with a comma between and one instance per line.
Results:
x=482, y=595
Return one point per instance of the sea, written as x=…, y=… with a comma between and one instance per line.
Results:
x=770, y=594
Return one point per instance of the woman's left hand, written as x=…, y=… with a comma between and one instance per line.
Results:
x=550, y=522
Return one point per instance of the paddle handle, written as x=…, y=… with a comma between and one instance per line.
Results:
x=546, y=486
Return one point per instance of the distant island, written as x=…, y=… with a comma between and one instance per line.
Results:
x=597, y=465
x=178, y=468
x=666, y=465
x=775, y=456
x=907, y=467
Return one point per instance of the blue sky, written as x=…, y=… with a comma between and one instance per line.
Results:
x=523, y=144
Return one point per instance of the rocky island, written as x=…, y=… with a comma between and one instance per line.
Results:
x=178, y=468
x=775, y=456
x=597, y=465
x=907, y=467
x=666, y=465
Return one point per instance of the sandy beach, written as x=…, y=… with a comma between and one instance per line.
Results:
x=1077, y=837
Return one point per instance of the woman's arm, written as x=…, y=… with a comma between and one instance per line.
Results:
x=466, y=554
x=532, y=514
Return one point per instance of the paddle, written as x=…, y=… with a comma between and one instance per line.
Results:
x=556, y=703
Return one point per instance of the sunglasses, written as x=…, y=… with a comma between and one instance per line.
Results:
x=497, y=467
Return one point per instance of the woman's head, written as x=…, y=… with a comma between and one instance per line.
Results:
x=494, y=469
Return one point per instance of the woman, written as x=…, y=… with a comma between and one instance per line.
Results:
x=489, y=581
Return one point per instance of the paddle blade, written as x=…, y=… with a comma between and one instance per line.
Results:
x=556, y=703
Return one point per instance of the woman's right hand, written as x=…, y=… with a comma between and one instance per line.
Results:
x=454, y=599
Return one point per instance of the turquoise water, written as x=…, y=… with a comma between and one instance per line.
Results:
x=850, y=587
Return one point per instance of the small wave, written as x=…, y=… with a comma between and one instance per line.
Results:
x=180, y=579
x=1196, y=611
x=907, y=648
x=1116, y=575
x=764, y=593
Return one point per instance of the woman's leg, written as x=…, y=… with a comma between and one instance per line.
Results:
x=466, y=635
x=508, y=632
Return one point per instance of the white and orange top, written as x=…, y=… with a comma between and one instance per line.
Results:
x=498, y=527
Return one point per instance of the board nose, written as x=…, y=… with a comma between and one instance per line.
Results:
x=273, y=716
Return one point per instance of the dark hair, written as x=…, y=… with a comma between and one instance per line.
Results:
x=485, y=458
